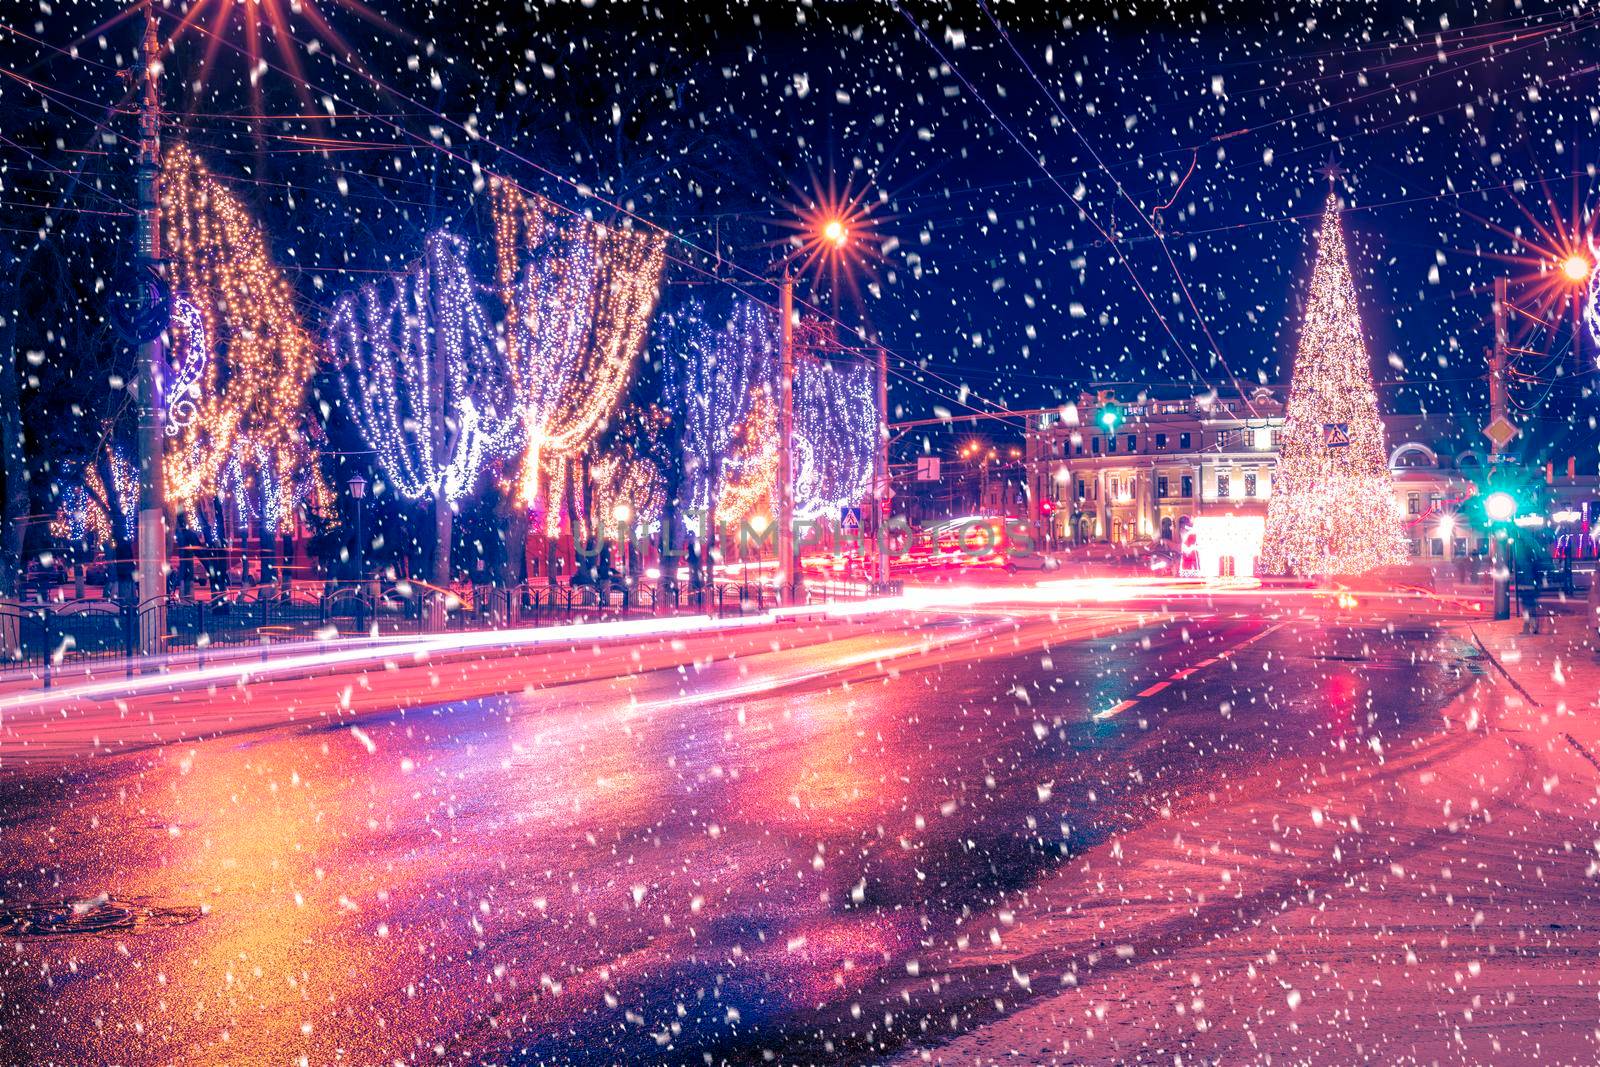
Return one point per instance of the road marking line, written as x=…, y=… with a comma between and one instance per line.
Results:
x=1102, y=716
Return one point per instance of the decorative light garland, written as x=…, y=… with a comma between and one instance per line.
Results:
x=419, y=341
x=249, y=410
x=626, y=478
x=1332, y=509
x=182, y=389
x=578, y=300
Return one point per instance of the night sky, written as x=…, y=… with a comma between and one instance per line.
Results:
x=995, y=164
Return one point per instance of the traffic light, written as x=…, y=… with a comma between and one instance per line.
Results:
x=1500, y=506
x=1507, y=495
x=1047, y=507
x=1110, y=417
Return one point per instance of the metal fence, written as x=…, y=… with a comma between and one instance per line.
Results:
x=41, y=639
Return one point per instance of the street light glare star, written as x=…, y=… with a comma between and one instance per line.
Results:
x=836, y=233
x=1576, y=267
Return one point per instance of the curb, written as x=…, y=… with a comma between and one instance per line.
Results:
x=1490, y=656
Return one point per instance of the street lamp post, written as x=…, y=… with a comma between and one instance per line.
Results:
x=884, y=497
x=152, y=523
x=1499, y=571
x=622, y=515
x=358, y=493
x=1575, y=269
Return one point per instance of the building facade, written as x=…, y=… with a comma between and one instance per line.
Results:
x=1126, y=468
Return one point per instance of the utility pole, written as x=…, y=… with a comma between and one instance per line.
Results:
x=788, y=569
x=1499, y=564
x=885, y=493
x=440, y=442
x=152, y=531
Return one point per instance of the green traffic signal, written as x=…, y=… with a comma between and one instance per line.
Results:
x=1110, y=418
x=1500, y=506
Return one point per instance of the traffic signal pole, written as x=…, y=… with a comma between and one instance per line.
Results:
x=884, y=495
x=1499, y=561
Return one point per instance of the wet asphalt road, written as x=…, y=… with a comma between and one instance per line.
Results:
x=660, y=868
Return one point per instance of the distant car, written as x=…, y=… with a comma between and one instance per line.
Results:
x=1163, y=560
x=1033, y=561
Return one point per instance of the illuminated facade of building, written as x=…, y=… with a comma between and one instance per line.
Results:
x=1126, y=466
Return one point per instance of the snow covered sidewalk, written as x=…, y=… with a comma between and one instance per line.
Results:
x=1431, y=898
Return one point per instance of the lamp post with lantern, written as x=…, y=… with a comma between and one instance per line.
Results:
x=358, y=493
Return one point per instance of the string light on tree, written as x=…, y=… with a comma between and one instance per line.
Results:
x=578, y=298
x=750, y=470
x=252, y=385
x=84, y=516
x=835, y=435
x=1332, y=510
x=390, y=341
x=715, y=376
x=627, y=480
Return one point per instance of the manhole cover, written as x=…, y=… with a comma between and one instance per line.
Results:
x=64, y=918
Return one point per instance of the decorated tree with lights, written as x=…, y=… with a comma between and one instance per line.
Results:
x=1332, y=509
x=628, y=486
x=239, y=425
x=424, y=384
x=835, y=436
x=723, y=382
x=102, y=508
x=578, y=297
x=717, y=372
x=749, y=471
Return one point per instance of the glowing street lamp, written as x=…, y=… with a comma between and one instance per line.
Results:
x=1576, y=267
x=836, y=233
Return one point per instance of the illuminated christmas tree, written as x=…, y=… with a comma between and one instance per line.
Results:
x=1332, y=509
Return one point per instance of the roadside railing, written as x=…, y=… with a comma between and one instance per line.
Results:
x=39, y=640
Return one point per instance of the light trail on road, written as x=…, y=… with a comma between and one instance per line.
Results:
x=761, y=831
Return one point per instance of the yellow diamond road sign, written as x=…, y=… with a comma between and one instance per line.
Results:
x=1500, y=431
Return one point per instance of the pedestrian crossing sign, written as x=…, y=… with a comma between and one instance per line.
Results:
x=1336, y=434
x=850, y=520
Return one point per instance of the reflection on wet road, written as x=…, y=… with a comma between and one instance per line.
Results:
x=721, y=858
